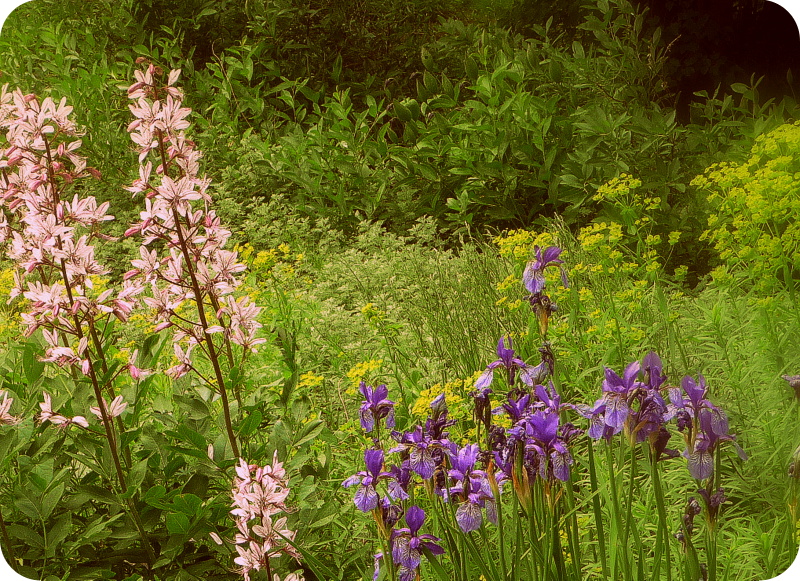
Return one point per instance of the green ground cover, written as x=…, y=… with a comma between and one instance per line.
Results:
x=385, y=217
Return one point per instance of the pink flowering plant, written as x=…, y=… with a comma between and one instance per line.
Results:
x=190, y=264
x=89, y=419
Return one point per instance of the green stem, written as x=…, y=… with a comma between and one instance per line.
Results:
x=629, y=508
x=501, y=548
x=598, y=513
x=663, y=529
x=619, y=552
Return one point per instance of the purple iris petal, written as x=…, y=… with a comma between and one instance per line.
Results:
x=421, y=462
x=415, y=517
x=375, y=406
x=533, y=276
x=374, y=461
x=616, y=412
x=468, y=517
x=512, y=364
x=366, y=498
x=695, y=391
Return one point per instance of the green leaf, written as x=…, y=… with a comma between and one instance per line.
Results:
x=320, y=570
x=440, y=571
x=402, y=112
x=471, y=68
x=26, y=534
x=739, y=87
x=31, y=365
x=187, y=504
x=197, y=484
x=177, y=523
x=195, y=408
x=154, y=495
x=251, y=423
x=58, y=532
x=430, y=82
x=135, y=477
x=310, y=431
x=51, y=499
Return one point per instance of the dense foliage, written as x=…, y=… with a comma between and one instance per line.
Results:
x=312, y=214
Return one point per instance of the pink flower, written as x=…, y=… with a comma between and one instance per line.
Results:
x=112, y=411
x=135, y=372
x=47, y=415
x=259, y=493
x=6, y=419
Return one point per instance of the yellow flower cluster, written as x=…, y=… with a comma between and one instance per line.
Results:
x=310, y=379
x=518, y=244
x=754, y=205
x=373, y=313
x=279, y=262
x=453, y=392
x=367, y=371
x=617, y=188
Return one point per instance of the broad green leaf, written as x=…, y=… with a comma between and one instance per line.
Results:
x=51, y=499
x=26, y=534
x=310, y=431
x=31, y=365
x=250, y=423
x=402, y=112
x=177, y=523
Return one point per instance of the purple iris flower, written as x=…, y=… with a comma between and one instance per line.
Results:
x=423, y=452
x=401, y=478
x=472, y=486
x=390, y=513
x=375, y=406
x=437, y=422
x=696, y=392
x=542, y=439
x=533, y=276
x=610, y=412
x=366, y=497
x=713, y=430
x=515, y=408
x=650, y=416
x=653, y=370
x=509, y=362
x=713, y=502
x=407, y=545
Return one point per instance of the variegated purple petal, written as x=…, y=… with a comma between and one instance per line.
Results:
x=616, y=412
x=421, y=462
x=396, y=490
x=468, y=517
x=561, y=464
x=407, y=573
x=367, y=419
x=485, y=380
x=491, y=512
x=366, y=498
x=354, y=479
x=701, y=464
